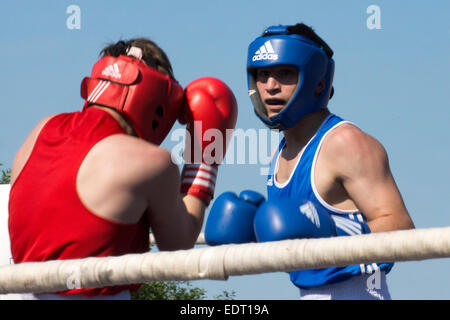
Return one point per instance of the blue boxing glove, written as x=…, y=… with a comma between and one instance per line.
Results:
x=288, y=218
x=230, y=219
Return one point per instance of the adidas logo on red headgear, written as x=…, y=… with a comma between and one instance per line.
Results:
x=112, y=71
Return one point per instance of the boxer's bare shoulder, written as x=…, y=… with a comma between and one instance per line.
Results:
x=350, y=151
x=117, y=175
x=127, y=156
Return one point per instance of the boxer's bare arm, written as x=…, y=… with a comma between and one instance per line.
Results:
x=360, y=164
x=176, y=219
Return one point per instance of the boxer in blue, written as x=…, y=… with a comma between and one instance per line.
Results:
x=327, y=177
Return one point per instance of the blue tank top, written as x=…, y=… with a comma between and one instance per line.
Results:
x=301, y=185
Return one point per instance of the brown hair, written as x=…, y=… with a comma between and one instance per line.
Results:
x=152, y=54
x=308, y=32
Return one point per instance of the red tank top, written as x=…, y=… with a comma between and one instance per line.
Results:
x=47, y=220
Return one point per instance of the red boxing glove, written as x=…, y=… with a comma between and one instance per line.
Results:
x=210, y=111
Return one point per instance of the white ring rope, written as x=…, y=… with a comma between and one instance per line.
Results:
x=227, y=260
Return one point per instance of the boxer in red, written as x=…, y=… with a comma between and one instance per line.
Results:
x=93, y=182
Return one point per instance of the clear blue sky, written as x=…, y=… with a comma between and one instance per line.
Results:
x=393, y=82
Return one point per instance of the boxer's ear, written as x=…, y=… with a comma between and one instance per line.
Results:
x=320, y=87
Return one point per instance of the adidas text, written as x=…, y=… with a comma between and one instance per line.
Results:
x=265, y=56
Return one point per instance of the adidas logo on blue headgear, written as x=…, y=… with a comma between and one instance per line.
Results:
x=279, y=46
x=265, y=52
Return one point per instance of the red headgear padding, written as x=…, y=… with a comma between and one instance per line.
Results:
x=149, y=99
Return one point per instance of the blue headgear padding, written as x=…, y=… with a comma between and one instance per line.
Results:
x=277, y=46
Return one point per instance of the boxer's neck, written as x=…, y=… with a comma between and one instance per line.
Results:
x=299, y=135
x=119, y=118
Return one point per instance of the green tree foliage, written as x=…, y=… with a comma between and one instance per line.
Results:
x=169, y=290
x=175, y=290
x=225, y=295
x=6, y=176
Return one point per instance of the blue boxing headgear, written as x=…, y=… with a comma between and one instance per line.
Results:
x=276, y=47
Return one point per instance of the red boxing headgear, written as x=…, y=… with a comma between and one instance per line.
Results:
x=149, y=99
